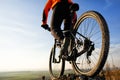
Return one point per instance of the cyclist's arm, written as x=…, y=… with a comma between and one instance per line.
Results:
x=45, y=11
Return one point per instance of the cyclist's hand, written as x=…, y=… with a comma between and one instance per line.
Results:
x=45, y=26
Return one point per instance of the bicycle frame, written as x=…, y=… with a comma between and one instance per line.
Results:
x=87, y=50
x=74, y=37
x=86, y=39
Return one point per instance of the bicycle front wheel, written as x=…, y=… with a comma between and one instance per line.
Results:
x=56, y=65
x=92, y=26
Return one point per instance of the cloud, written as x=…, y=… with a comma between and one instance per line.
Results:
x=108, y=4
x=114, y=52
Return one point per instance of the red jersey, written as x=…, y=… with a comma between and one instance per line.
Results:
x=50, y=4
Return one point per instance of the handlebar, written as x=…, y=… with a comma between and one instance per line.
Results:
x=46, y=27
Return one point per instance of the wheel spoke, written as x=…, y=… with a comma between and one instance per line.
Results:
x=91, y=27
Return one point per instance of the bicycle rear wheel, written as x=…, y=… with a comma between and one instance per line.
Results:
x=56, y=65
x=93, y=27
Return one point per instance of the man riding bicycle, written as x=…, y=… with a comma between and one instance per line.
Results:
x=61, y=12
x=89, y=39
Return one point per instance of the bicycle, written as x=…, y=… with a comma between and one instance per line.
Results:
x=89, y=47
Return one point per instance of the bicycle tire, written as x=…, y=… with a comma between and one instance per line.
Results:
x=57, y=74
x=104, y=45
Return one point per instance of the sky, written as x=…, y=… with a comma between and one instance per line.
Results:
x=24, y=45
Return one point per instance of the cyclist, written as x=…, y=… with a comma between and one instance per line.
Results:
x=61, y=12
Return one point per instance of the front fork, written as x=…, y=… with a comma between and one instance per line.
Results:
x=56, y=43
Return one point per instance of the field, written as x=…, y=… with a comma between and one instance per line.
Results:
x=37, y=75
x=24, y=75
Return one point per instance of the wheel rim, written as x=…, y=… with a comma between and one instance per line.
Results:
x=90, y=28
x=56, y=69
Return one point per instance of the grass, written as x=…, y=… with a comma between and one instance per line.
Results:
x=109, y=74
x=112, y=74
x=24, y=75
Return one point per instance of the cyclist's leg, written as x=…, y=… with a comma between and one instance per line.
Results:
x=66, y=41
x=67, y=26
x=56, y=22
x=69, y=22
